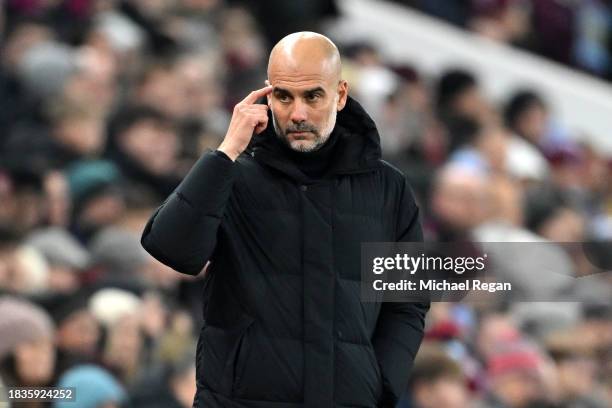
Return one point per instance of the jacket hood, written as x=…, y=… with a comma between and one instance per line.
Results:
x=357, y=150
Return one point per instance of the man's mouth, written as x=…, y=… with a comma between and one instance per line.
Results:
x=300, y=133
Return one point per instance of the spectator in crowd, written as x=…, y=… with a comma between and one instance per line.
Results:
x=145, y=145
x=96, y=196
x=78, y=332
x=27, y=355
x=65, y=256
x=577, y=372
x=459, y=94
x=458, y=202
x=437, y=381
x=94, y=388
x=516, y=374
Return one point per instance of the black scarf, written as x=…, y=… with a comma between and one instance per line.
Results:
x=312, y=164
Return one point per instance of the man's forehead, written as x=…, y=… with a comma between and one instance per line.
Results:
x=302, y=76
x=304, y=57
x=299, y=81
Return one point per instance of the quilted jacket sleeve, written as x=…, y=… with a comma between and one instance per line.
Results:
x=182, y=232
x=400, y=326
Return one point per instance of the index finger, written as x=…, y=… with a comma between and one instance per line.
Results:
x=255, y=95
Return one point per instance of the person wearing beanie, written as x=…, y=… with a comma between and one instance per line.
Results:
x=59, y=248
x=96, y=196
x=66, y=258
x=119, y=253
x=27, y=357
x=47, y=67
x=110, y=305
x=94, y=388
x=119, y=313
x=516, y=371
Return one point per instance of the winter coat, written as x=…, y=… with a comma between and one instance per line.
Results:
x=284, y=323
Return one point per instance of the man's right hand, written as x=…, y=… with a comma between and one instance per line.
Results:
x=248, y=117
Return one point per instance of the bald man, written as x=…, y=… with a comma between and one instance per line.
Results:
x=280, y=210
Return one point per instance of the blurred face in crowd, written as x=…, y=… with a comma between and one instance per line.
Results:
x=35, y=361
x=517, y=388
x=506, y=197
x=495, y=329
x=198, y=78
x=95, y=83
x=103, y=209
x=566, y=225
x=162, y=89
x=124, y=344
x=471, y=103
x=84, y=135
x=304, y=70
x=153, y=145
x=443, y=392
x=531, y=124
x=22, y=209
x=79, y=333
x=63, y=279
x=153, y=315
x=493, y=145
x=577, y=376
x=460, y=198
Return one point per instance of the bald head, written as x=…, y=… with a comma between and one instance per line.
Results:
x=305, y=52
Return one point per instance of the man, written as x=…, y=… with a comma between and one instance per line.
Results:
x=282, y=227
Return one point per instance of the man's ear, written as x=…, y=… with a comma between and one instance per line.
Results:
x=343, y=89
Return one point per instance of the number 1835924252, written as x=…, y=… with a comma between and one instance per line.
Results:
x=31, y=394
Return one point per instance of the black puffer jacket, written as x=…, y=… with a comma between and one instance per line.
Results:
x=284, y=324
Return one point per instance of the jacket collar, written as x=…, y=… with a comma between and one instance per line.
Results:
x=357, y=151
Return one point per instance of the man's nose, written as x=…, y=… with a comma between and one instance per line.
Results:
x=298, y=114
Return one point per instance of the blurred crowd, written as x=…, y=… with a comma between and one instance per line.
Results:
x=105, y=105
x=577, y=33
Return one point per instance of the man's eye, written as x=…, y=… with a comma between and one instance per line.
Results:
x=283, y=98
x=313, y=97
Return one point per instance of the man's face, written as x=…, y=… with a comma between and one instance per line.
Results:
x=304, y=107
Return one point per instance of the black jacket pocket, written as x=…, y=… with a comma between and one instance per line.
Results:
x=234, y=363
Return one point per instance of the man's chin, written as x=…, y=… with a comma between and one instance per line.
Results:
x=303, y=146
x=302, y=141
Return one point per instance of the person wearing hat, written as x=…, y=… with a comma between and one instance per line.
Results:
x=94, y=387
x=27, y=356
x=516, y=374
x=65, y=256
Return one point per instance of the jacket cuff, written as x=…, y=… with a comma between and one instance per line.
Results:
x=210, y=179
x=222, y=154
